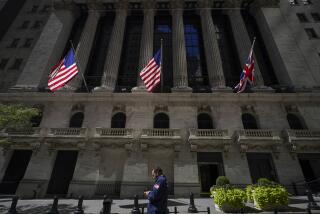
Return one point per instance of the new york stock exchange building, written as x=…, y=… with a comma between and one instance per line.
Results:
x=106, y=138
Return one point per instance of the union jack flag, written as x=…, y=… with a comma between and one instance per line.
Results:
x=247, y=76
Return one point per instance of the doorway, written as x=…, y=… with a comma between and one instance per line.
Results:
x=210, y=167
x=62, y=172
x=15, y=171
x=310, y=165
x=261, y=166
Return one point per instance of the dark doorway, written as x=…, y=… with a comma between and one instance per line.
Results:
x=76, y=120
x=62, y=172
x=161, y=121
x=118, y=120
x=261, y=166
x=15, y=171
x=310, y=165
x=210, y=167
x=249, y=121
x=204, y=121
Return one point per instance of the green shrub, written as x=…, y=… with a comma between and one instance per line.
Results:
x=249, y=192
x=270, y=197
x=233, y=197
x=264, y=182
x=222, y=181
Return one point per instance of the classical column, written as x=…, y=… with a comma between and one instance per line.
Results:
x=180, y=75
x=243, y=42
x=48, y=49
x=111, y=67
x=213, y=58
x=84, y=47
x=146, y=47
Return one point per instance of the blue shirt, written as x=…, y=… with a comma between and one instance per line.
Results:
x=158, y=196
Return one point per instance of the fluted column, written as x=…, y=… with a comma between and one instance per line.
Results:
x=243, y=42
x=180, y=74
x=84, y=47
x=213, y=58
x=48, y=49
x=111, y=67
x=146, y=47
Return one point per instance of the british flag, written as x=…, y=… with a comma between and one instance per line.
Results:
x=247, y=76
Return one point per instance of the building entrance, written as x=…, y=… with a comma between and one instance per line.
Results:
x=62, y=172
x=15, y=171
x=310, y=165
x=261, y=166
x=210, y=167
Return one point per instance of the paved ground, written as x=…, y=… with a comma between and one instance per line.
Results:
x=66, y=206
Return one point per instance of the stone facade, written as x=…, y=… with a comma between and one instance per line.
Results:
x=118, y=161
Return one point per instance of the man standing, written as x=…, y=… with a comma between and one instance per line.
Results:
x=158, y=196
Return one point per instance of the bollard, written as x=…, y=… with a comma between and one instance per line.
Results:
x=142, y=212
x=311, y=203
x=13, y=208
x=175, y=210
x=208, y=210
x=135, y=209
x=242, y=211
x=275, y=211
x=309, y=211
x=106, y=209
x=192, y=208
x=79, y=208
x=54, y=208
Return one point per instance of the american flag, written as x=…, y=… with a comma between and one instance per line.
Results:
x=63, y=72
x=247, y=75
x=152, y=72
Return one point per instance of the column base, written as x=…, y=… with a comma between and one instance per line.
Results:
x=139, y=89
x=222, y=89
x=103, y=89
x=263, y=89
x=181, y=89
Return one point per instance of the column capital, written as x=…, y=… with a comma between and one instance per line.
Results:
x=122, y=5
x=177, y=4
x=149, y=4
x=95, y=7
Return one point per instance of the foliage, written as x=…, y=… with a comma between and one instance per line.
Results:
x=232, y=197
x=16, y=116
x=222, y=181
x=249, y=192
x=270, y=197
x=264, y=182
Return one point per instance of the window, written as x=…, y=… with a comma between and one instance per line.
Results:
x=316, y=17
x=28, y=43
x=302, y=17
x=161, y=121
x=25, y=25
x=204, y=121
x=311, y=33
x=118, y=120
x=3, y=63
x=249, y=121
x=14, y=43
x=17, y=63
x=37, y=24
x=76, y=120
x=295, y=122
x=196, y=62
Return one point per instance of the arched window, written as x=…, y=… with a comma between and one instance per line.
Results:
x=161, y=121
x=249, y=122
x=76, y=120
x=295, y=122
x=204, y=121
x=36, y=120
x=118, y=120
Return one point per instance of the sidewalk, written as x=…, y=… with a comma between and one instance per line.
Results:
x=68, y=206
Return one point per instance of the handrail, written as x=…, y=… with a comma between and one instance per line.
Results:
x=307, y=182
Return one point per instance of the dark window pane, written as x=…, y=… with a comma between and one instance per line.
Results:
x=3, y=63
x=118, y=120
x=17, y=63
x=204, y=121
x=161, y=121
x=76, y=120
x=294, y=122
x=25, y=25
x=316, y=17
x=249, y=122
x=311, y=33
x=302, y=17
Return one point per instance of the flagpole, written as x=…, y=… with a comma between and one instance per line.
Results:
x=79, y=68
x=161, y=73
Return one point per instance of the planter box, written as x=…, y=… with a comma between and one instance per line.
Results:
x=269, y=207
x=227, y=208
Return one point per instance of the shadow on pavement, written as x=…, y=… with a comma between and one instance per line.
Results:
x=170, y=204
x=63, y=209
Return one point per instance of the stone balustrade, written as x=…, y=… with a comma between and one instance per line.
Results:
x=160, y=133
x=302, y=140
x=29, y=131
x=312, y=134
x=258, y=133
x=196, y=133
x=81, y=132
x=113, y=132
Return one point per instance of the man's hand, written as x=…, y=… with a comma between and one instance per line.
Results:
x=146, y=193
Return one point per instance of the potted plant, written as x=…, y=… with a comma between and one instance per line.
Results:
x=270, y=197
x=229, y=199
x=221, y=181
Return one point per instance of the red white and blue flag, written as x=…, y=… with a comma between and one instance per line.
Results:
x=63, y=72
x=247, y=76
x=151, y=74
